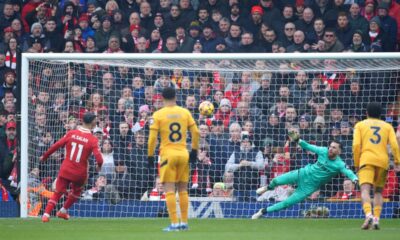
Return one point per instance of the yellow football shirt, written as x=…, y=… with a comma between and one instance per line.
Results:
x=370, y=141
x=172, y=123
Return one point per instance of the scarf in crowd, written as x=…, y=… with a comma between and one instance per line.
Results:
x=160, y=44
x=11, y=61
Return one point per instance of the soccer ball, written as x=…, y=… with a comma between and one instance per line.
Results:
x=206, y=108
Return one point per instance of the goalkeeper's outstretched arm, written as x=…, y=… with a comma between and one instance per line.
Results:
x=295, y=137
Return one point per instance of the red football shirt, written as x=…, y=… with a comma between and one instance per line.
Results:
x=79, y=145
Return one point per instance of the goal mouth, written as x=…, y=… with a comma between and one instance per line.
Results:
x=257, y=98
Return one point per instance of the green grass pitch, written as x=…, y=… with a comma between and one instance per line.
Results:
x=200, y=229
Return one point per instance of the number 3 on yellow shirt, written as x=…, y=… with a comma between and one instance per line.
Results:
x=378, y=138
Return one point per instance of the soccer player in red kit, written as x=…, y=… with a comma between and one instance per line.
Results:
x=79, y=144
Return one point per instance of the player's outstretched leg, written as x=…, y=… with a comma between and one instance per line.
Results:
x=259, y=214
x=296, y=197
x=287, y=178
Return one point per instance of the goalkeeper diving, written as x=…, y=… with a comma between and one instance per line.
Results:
x=309, y=178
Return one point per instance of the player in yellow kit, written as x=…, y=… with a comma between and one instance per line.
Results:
x=371, y=158
x=172, y=123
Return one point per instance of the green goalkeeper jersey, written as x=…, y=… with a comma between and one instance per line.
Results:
x=324, y=169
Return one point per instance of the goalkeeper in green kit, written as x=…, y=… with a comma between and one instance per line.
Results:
x=309, y=178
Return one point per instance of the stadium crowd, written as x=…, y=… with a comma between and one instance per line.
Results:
x=244, y=144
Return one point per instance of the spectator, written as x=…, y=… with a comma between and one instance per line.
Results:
x=8, y=15
x=102, y=36
x=253, y=25
x=271, y=12
x=201, y=185
x=36, y=36
x=236, y=15
x=357, y=44
x=242, y=114
x=87, y=31
x=208, y=40
x=191, y=104
x=332, y=14
x=8, y=154
x=287, y=38
x=347, y=193
x=156, y=194
x=331, y=43
x=108, y=167
x=264, y=96
x=122, y=141
x=356, y=20
x=187, y=10
x=394, y=12
x=233, y=39
x=155, y=41
x=316, y=35
x=307, y=23
x=97, y=191
x=299, y=44
x=174, y=19
x=353, y=98
x=247, y=44
x=267, y=38
x=344, y=30
x=224, y=112
x=185, y=43
x=91, y=45
x=171, y=45
x=140, y=172
x=146, y=16
x=19, y=33
x=387, y=24
x=369, y=10
x=219, y=190
x=143, y=118
x=245, y=164
x=53, y=34
x=223, y=27
x=185, y=90
x=113, y=45
x=346, y=138
x=9, y=84
x=96, y=103
x=39, y=14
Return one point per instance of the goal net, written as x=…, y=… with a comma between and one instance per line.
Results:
x=258, y=98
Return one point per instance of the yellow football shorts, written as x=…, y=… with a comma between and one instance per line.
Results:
x=373, y=175
x=174, y=166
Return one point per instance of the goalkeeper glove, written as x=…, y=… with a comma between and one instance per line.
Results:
x=294, y=136
x=355, y=182
x=193, y=156
x=150, y=161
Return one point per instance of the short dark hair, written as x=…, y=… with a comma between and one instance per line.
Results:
x=168, y=93
x=337, y=142
x=374, y=110
x=89, y=117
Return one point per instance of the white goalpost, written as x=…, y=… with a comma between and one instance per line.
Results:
x=257, y=99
